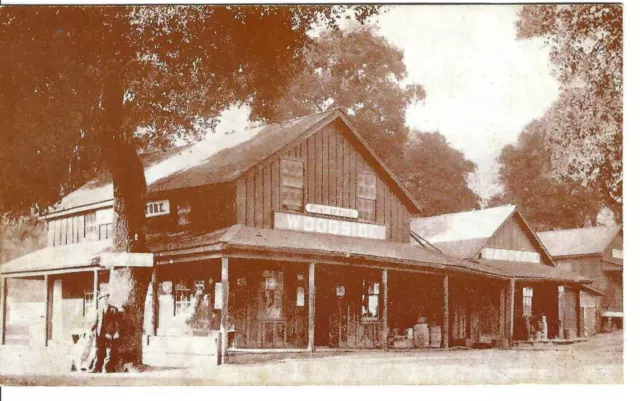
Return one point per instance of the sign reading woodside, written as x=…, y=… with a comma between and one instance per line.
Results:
x=313, y=224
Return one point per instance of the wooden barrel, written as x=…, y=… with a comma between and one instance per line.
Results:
x=435, y=336
x=421, y=335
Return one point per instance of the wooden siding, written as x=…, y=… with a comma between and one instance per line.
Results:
x=332, y=160
x=514, y=235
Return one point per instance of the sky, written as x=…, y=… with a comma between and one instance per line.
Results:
x=483, y=85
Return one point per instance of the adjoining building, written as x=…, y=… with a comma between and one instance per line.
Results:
x=545, y=299
x=595, y=253
x=292, y=236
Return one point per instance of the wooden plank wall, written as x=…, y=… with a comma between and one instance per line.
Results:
x=331, y=162
x=513, y=235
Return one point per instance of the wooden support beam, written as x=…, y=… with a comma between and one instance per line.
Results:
x=48, y=298
x=3, y=310
x=503, y=310
x=578, y=314
x=385, y=306
x=445, y=312
x=154, y=302
x=560, y=304
x=312, y=307
x=511, y=304
x=224, y=314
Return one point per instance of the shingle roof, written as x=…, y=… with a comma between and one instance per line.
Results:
x=536, y=271
x=219, y=158
x=462, y=234
x=578, y=241
x=292, y=242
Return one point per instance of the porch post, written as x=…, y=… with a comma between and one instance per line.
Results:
x=560, y=304
x=3, y=310
x=154, y=301
x=47, y=308
x=95, y=289
x=312, y=307
x=224, y=314
x=578, y=314
x=503, y=310
x=385, y=309
x=511, y=304
x=445, y=312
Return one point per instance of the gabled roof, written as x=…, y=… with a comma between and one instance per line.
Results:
x=579, y=241
x=222, y=158
x=464, y=234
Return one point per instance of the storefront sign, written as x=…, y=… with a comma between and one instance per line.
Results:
x=157, y=208
x=312, y=224
x=331, y=210
x=510, y=255
x=110, y=259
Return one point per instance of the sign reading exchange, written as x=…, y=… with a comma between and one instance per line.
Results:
x=313, y=224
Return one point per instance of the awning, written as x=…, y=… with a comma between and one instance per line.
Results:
x=535, y=271
x=57, y=258
x=290, y=243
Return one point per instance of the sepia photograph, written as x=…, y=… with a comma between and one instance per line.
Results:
x=311, y=194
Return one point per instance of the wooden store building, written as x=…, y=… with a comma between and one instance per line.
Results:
x=292, y=236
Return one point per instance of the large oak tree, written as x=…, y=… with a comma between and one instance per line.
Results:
x=78, y=83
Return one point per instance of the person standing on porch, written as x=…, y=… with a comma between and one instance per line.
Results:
x=107, y=334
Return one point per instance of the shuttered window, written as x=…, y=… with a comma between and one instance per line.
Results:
x=366, y=195
x=292, y=182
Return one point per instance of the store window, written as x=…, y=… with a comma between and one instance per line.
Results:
x=370, y=299
x=292, y=177
x=366, y=195
x=185, y=307
x=527, y=298
x=272, y=294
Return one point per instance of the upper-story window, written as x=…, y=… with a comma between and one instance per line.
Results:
x=292, y=173
x=98, y=224
x=366, y=195
x=91, y=226
x=617, y=253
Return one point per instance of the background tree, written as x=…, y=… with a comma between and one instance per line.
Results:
x=361, y=72
x=437, y=174
x=584, y=127
x=529, y=181
x=78, y=82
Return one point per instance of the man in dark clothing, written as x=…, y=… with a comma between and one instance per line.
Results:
x=107, y=332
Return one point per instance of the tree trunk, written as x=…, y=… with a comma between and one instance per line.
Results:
x=128, y=285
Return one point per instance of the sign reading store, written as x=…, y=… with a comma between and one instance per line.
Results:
x=157, y=208
x=321, y=225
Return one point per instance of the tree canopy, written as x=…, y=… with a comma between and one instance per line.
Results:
x=529, y=181
x=583, y=128
x=362, y=72
x=175, y=66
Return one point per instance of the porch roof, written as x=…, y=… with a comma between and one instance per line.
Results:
x=535, y=271
x=57, y=257
x=296, y=243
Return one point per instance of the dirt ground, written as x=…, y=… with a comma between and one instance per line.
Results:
x=599, y=360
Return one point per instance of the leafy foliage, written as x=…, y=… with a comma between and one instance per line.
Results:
x=436, y=174
x=176, y=66
x=361, y=72
x=584, y=127
x=530, y=182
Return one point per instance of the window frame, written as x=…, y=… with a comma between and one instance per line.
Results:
x=366, y=196
x=289, y=186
